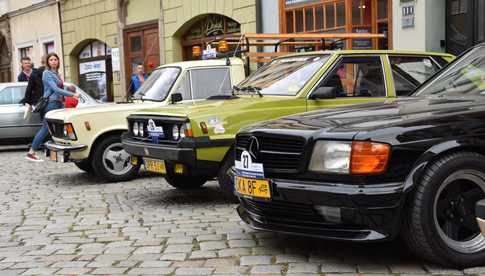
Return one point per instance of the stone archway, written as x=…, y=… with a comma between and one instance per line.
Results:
x=90, y=68
x=202, y=30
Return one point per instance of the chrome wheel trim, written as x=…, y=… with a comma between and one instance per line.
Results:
x=116, y=160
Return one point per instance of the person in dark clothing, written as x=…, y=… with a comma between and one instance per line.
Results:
x=26, y=69
x=35, y=88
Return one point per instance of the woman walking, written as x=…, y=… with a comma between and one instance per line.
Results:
x=53, y=91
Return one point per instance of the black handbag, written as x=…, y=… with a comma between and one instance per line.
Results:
x=41, y=104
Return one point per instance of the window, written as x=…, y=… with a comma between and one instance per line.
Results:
x=313, y=16
x=357, y=77
x=12, y=95
x=49, y=47
x=410, y=72
x=210, y=82
x=157, y=86
x=26, y=52
x=184, y=87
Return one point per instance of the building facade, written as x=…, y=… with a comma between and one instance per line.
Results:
x=35, y=31
x=90, y=35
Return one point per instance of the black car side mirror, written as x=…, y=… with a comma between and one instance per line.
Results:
x=176, y=97
x=325, y=92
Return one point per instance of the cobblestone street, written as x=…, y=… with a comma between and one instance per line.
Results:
x=55, y=219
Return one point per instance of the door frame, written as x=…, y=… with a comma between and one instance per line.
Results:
x=137, y=27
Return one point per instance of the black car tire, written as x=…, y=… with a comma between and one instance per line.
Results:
x=99, y=165
x=84, y=165
x=225, y=183
x=183, y=182
x=422, y=231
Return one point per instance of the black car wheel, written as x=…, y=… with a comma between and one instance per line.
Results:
x=440, y=223
x=183, y=181
x=84, y=165
x=225, y=183
x=111, y=162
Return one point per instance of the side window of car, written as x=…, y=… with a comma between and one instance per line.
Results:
x=357, y=77
x=18, y=93
x=6, y=96
x=410, y=71
x=210, y=81
x=184, y=87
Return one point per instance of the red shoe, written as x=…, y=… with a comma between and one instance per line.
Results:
x=33, y=157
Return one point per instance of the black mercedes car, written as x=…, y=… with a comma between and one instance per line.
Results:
x=412, y=167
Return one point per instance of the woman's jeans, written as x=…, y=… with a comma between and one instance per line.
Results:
x=44, y=131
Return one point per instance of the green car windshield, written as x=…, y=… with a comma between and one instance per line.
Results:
x=466, y=77
x=157, y=86
x=285, y=76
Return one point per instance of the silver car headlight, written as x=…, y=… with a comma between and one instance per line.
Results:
x=331, y=157
x=176, y=132
x=136, y=130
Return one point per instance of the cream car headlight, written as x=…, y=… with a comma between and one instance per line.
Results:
x=331, y=157
x=141, y=129
x=176, y=132
x=136, y=130
x=68, y=132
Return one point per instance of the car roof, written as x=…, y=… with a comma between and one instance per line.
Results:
x=370, y=52
x=203, y=63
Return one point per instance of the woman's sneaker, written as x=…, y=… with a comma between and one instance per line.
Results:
x=33, y=157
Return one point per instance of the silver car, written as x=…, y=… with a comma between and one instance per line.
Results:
x=13, y=128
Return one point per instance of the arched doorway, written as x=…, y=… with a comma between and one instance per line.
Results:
x=95, y=72
x=204, y=30
x=5, y=69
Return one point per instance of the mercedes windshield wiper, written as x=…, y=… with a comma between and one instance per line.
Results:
x=249, y=89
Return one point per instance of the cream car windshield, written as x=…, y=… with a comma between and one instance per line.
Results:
x=283, y=76
x=466, y=77
x=158, y=84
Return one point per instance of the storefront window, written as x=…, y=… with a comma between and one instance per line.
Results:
x=330, y=16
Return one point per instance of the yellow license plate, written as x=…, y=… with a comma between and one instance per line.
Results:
x=53, y=155
x=157, y=166
x=253, y=187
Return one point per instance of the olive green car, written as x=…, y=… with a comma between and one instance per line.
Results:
x=191, y=143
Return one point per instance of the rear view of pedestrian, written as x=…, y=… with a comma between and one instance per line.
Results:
x=54, y=92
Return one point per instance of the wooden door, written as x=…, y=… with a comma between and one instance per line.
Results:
x=141, y=46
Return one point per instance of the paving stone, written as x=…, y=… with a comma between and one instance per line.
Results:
x=178, y=248
x=281, y=259
x=233, y=252
x=145, y=257
x=242, y=243
x=109, y=270
x=202, y=238
x=202, y=254
x=180, y=240
x=338, y=268
x=151, y=271
x=155, y=264
x=255, y=260
x=193, y=271
x=39, y=271
x=299, y=268
x=267, y=269
x=212, y=245
x=73, y=271
x=174, y=257
x=72, y=264
x=148, y=250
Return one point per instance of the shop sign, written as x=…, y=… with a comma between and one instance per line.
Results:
x=408, y=16
x=362, y=43
x=92, y=66
x=115, y=59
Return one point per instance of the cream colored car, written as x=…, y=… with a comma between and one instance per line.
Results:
x=90, y=137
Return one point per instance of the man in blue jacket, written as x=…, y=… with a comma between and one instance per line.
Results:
x=138, y=78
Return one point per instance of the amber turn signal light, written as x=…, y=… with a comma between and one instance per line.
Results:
x=369, y=157
x=222, y=46
x=196, y=51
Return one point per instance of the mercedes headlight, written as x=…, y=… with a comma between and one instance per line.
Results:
x=331, y=157
x=358, y=157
